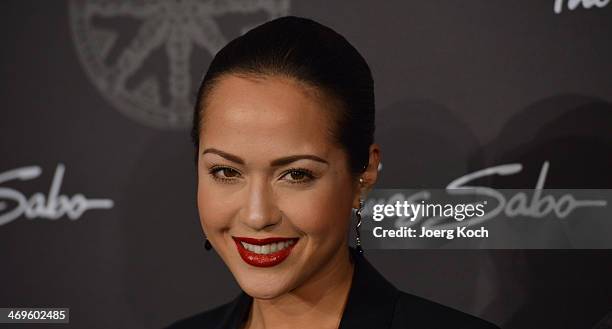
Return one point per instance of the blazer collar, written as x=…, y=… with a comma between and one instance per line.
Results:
x=370, y=303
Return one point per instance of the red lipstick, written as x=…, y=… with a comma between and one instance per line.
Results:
x=264, y=252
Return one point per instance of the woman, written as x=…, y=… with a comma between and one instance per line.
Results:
x=283, y=132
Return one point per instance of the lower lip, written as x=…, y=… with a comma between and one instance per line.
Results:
x=261, y=260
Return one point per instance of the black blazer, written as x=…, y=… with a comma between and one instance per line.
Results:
x=373, y=303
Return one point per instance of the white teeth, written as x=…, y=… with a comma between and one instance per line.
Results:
x=267, y=248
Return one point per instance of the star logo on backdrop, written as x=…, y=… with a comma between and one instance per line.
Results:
x=143, y=56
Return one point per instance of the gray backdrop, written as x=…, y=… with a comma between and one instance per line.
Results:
x=102, y=89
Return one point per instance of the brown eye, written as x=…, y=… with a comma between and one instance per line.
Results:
x=295, y=176
x=224, y=174
x=229, y=172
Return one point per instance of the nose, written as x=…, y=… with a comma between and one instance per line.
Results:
x=260, y=210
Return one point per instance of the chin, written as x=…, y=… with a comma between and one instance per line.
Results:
x=267, y=287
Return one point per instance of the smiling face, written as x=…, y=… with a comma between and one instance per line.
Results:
x=268, y=168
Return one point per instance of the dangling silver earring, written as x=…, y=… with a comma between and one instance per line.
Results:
x=357, y=226
x=207, y=245
x=358, y=222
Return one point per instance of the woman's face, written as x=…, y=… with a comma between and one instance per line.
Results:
x=268, y=169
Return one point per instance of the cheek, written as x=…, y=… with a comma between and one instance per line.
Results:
x=321, y=213
x=215, y=208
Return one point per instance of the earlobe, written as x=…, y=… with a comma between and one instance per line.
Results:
x=369, y=175
x=359, y=193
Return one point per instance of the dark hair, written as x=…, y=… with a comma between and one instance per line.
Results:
x=311, y=53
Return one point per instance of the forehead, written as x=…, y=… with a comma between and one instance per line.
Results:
x=272, y=114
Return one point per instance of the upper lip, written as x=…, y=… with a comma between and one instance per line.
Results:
x=259, y=242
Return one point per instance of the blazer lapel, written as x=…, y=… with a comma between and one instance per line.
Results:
x=371, y=300
x=236, y=313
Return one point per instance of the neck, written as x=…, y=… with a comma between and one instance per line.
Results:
x=318, y=303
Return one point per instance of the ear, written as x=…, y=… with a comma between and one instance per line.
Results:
x=369, y=176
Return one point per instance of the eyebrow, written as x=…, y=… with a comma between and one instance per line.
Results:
x=274, y=163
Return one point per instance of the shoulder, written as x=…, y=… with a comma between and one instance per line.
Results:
x=374, y=302
x=416, y=312
x=227, y=315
